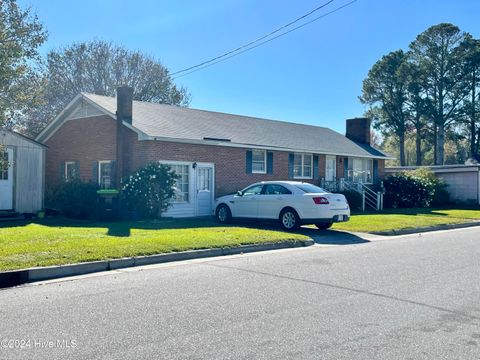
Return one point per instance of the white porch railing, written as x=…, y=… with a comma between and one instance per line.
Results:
x=370, y=198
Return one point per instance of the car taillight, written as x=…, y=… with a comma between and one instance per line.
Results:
x=320, y=200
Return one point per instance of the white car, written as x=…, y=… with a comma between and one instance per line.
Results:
x=293, y=203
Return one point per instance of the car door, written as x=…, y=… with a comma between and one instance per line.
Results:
x=246, y=204
x=272, y=200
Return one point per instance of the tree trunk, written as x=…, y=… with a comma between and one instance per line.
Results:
x=473, y=118
x=418, y=148
x=401, y=140
x=435, y=154
x=440, y=145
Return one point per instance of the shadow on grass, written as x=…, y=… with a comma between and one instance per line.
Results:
x=123, y=228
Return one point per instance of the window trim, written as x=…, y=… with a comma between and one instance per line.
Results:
x=303, y=165
x=5, y=168
x=264, y=162
x=99, y=171
x=66, y=170
x=190, y=179
x=351, y=160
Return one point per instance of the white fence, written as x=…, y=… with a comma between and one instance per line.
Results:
x=370, y=199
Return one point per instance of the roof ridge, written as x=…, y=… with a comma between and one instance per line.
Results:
x=215, y=112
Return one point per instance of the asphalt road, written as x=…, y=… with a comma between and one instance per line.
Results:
x=413, y=297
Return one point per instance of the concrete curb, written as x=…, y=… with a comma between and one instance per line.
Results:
x=428, y=229
x=18, y=277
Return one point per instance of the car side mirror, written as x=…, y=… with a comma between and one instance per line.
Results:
x=239, y=193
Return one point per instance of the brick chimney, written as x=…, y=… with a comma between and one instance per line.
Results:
x=358, y=129
x=125, y=103
x=124, y=113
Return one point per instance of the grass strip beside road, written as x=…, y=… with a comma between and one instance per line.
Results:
x=402, y=219
x=60, y=241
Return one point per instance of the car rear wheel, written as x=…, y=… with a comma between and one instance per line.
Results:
x=324, y=225
x=289, y=219
x=223, y=214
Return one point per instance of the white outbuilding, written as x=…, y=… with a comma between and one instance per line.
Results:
x=22, y=175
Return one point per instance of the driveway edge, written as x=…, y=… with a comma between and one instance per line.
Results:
x=19, y=277
x=428, y=229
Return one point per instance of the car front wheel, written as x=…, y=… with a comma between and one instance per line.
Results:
x=223, y=214
x=324, y=225
x=289, y=219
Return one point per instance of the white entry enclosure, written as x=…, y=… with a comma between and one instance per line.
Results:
x=6, y=179
x=194, y=191
x=22, y=180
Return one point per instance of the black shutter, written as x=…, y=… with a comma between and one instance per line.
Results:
x=345, y=168
x=77, y=170
x=315, y=166
x=291, y=158
x=61, y=172
x=375, y=171
x=113, y=171
x=269, y=162
x=249, y=161
x=95, y=172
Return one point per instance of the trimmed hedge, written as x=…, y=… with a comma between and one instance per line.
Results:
x=415, y=189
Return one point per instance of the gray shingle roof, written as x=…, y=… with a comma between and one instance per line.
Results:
x=158, y=120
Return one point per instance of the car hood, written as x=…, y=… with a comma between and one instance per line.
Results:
x=225, y=198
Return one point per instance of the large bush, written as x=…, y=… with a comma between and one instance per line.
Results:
x=418, y=188
x=74, y=199
x=149, y=190
x=441, y=196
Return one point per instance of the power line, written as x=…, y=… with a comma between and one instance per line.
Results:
x=233, y=53
x=256, y=40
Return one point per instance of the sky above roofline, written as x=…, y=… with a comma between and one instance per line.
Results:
x=312, y=76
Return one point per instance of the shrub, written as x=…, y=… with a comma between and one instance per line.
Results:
x=441, y=196
x=354, y=198
x=149, y=190
x=74, y=199
x=418, y=188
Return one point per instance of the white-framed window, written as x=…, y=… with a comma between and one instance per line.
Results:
x=182, y=184
x=4, y=164
x=71, y=171
x=259, y=161
x=105, y=173
x=302, y=166
x=360, y=170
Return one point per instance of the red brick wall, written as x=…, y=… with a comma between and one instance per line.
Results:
x=92, y=139
x=230, y=162
x=340, y=166
x=85, y=140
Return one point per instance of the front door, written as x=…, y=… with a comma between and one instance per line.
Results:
x=330, y=170
x=204, y=190
x=6, y=180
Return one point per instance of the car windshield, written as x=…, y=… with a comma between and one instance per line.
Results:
x=310, y=189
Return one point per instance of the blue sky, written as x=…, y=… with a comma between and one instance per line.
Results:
x=312, y=75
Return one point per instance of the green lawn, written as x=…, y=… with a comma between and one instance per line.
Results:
x=55, y=242
x=407, y=219
x=62, y=241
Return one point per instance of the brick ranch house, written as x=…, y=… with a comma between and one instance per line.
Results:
x=103, y=139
